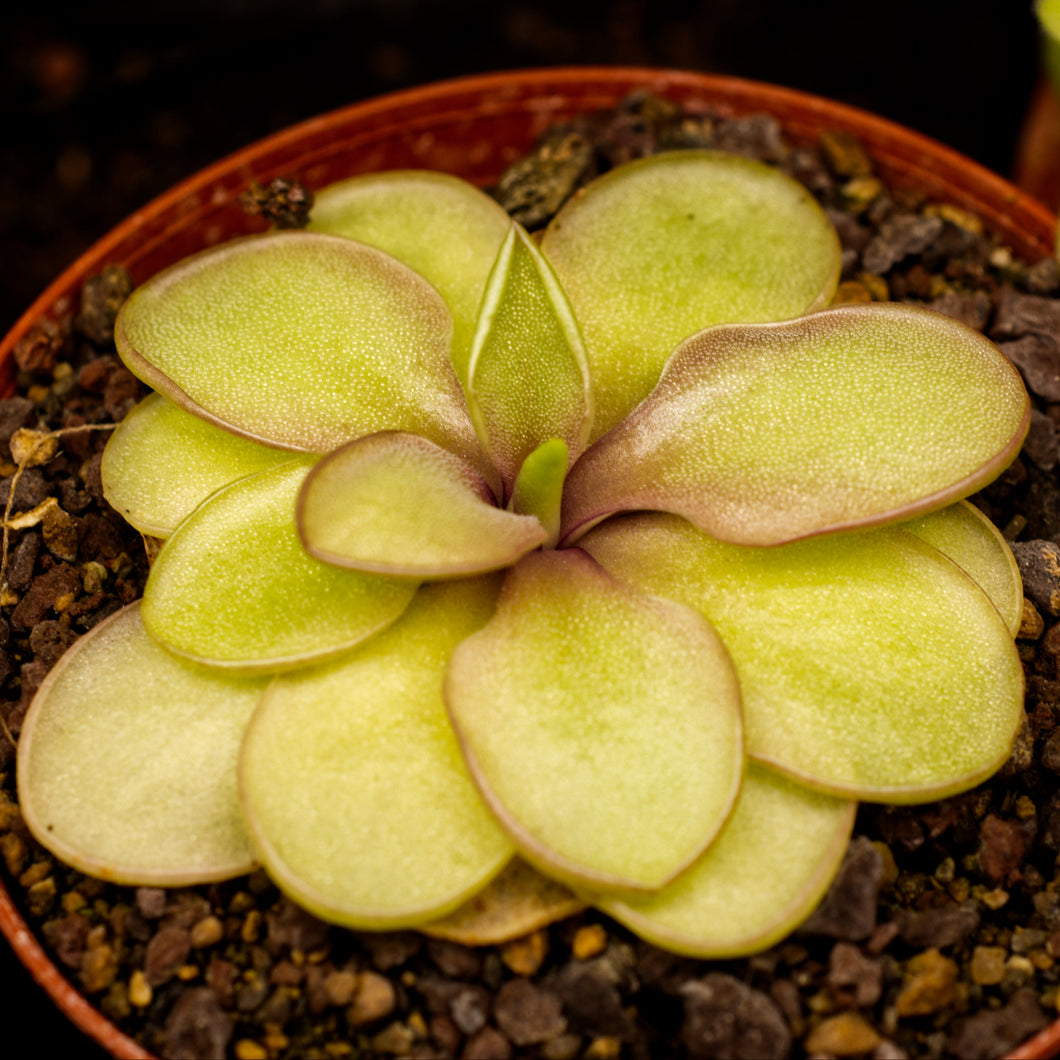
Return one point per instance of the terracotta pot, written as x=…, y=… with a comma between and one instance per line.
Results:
x=474, y=127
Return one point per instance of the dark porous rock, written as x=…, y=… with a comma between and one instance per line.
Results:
x=1040, y=446
x=68, y=936
x=15, y=413
x=197, y=1027
x=592, y=1000
x=969, y=307
x=756, y=136
x=469, y=1008
x=101, y=298
x=38, y=351
x=1038, y=359
x=1039, y=564
x=458, y=962
x=528, y=1014
x=728, y=1020
x=944, y=926
x=899, y=236
x=31, y=490
x=291, y=927
x=852, y=977
x=1020, y=314
x=994, y=1032
x=848, y=910
x=488, y=1044
x=1002, y=848
x=23, y=561
x=60, y=583
x=49, y=639
x=166, y=952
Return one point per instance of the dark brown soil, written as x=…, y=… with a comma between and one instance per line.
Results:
x=941, y=935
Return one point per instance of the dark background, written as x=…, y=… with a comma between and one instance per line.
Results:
x=104, y=106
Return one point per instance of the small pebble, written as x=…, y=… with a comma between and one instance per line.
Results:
x=930, y=984
x=589, y=941
x=846, y=1034
x=524, y=956
x=375, y=1000
x=988, y=965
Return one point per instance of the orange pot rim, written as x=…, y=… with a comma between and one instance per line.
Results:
x=547, y=95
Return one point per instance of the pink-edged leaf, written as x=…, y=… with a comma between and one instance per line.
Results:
x=602, y=725
x=855, y=416
x=301, y=340
x=529, y=380
x=397, y=504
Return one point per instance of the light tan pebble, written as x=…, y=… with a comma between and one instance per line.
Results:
x=251, y=930
x=603, y=1049
x=1019, y=971
x=846, y=1034
x=525, y=955
x=564, y=1047
x=394, y=1040
x=876, y=285
x=851, y=291
x=930, y=984
x=1032, y=625
x=207, y=932
x=14, y=852
x=248, y=1049
x=418, y=1025
x=187, y=972
x=374, y=1000
x=274, y=1040
x=140, y=992
x=988, y=965
x=589, y=941
x=340, y=987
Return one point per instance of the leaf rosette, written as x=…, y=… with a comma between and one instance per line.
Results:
x=609, y=567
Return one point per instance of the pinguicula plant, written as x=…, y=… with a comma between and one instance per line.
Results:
x=616, y=554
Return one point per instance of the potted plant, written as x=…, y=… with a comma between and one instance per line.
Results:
x=494, y=121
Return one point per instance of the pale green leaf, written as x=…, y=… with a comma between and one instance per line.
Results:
x=602, y=725
x=396, y=504
x=443, y=227
x=663, y=247
x=963, y=534
x=761, y=434
x=355, y=791
x=869, y=665
x=757, y=881
x=233, y=587
x=127, y=761
x=162, y=463
x=300, y=340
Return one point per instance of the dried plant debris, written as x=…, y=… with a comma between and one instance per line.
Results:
x=283, y=202
x=940, y=935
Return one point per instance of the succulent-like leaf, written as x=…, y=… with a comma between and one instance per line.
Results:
x=162, y=463
x=352, y=780
x=965, y=535
x=602, y=725
x=233, y=587
x=443, y=227
x=299, y=340
x=516, y=902
x=538, y=488
x=858, y=415
x=528, y=377
x=759, y=880
x=397, y=504
x=869, y=664
x=127, y=761
x=663, y=247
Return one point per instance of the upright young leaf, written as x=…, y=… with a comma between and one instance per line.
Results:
x=601, y=725
x=528, y=377
x=659, y=249
x=443, y=227
x=761, y=434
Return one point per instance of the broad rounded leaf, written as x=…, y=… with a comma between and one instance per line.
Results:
x=602, y=725
x=762, y=434
x=396, y=504
x=233, y=586
x=352, y=780
x=529, y=380
x=663, y=247
x=443, y=227
x=758, y=880
x=965, y=535
x=516, y=902
x=299, y=340
x=127, y=761
x=162, y=463
x=870, y=665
